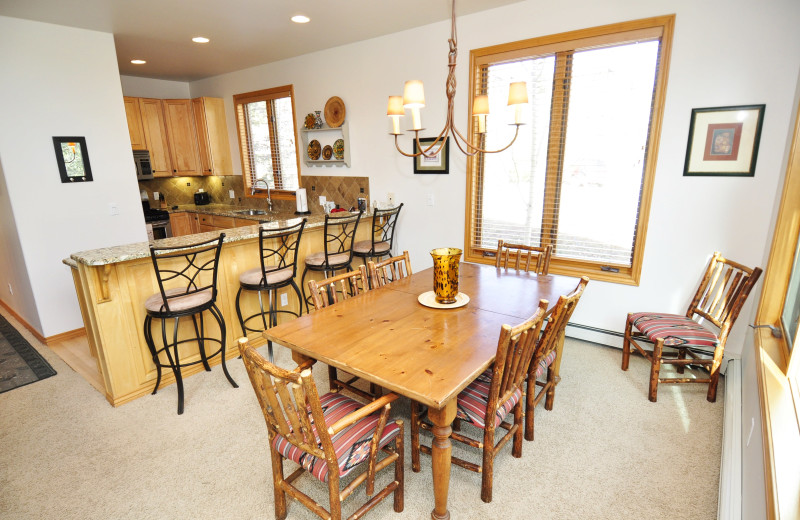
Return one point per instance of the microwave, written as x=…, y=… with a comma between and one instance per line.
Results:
x=142, y=160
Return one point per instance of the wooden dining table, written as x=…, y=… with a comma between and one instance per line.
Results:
x=387, y=337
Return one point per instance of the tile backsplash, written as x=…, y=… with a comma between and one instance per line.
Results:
x=344, y=191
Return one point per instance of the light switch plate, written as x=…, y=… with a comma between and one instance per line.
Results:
x=156, y=195
x=113, y=209
x=322, y=200
x=284, y=300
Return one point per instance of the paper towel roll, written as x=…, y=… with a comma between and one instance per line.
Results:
x=302, y=200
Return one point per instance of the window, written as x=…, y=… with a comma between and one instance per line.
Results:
x=579, y=176
x=267, y=142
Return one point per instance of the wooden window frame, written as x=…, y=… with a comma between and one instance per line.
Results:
x=244, y=152
x=661, y=27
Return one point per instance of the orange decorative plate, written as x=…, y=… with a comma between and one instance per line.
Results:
x=327, y=152
x=334, y=112
x=314, y=150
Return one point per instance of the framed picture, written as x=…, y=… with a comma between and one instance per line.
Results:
x=73, y=159
x=437, y=164
x=724, y=141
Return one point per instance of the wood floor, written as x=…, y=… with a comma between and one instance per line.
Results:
x=76, y=353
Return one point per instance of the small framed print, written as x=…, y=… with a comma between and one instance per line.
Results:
x=723, y=141
x=73, y=159
x=439, y=163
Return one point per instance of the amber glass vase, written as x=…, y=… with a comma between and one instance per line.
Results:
x=445, y=273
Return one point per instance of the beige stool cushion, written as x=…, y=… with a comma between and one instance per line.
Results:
x=364, y=246
x=274, y=275
x=319, y=259
x=155, y=303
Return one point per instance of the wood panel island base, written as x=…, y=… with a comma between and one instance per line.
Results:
x=112, y=285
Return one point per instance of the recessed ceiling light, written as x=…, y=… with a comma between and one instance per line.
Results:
x=300, y=19
x=138, y=62
x=200, y=39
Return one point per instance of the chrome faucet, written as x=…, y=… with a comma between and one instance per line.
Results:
x=269, y=191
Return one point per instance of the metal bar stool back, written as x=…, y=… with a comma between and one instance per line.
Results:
x=278, y=259
x=381, y=243
x=187, y=284
x=337, y=251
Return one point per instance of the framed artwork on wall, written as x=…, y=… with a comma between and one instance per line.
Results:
x=436, y=164
x=723, y=141
x=73, y=159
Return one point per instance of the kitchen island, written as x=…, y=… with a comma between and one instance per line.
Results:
x=112, y=284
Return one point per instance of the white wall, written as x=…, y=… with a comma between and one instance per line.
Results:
x=747, y=53
x=154, y=88
x=60, y=81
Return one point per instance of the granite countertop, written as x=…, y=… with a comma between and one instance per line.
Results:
x=122, y=253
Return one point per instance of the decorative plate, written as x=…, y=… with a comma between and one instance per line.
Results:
x=327, y=152
x=428, y=299
x=310, y=122
x=338, y=148
x=314, y=150
x=334, y=112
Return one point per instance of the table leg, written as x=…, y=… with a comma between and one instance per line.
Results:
x=441, y=447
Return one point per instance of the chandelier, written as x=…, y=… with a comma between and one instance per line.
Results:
x=413, y=98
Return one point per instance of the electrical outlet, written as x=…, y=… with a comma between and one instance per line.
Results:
x=231, y=194
x=390, y=198
x=284, y=300
x=322, y=200
x=156, y=195
x=10, y=289
x=113, y=209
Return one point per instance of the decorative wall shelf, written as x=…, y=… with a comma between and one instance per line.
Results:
x=326, y=136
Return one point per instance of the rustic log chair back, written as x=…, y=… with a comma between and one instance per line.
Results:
x=337, y=248
x=515, y=349
x=277, y=269
x=187, y=284
x=527, y=258
x=381, y=242
x=292, y=409
x=548, y=355
x=389, y=270
x=330, y=291
x=723, y=291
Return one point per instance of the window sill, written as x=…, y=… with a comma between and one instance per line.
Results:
x=274, y=194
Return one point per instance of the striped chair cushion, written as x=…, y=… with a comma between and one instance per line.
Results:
x=544, y=363
x=676, y=330
x=474, y=399
x=351, y=444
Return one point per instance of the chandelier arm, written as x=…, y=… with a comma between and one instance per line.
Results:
x=458, y=137
x=419, y=145
x=479, y=149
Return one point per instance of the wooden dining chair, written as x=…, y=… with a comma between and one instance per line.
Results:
x=487, y=400
x=527, y=258
x=389, y=270
x=330, y=291
x=718, y=301
x=547, y=356
x=328, y=436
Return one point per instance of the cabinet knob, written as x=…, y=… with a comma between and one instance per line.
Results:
x=174, y=171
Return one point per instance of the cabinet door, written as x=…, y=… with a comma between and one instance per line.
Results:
x=180, y=223
x=212, y=135
x=155, y=136
x=134, y=118
x=182, y=137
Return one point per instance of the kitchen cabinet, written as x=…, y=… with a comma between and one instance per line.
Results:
x=182, y=224
x=181, y=137
x=212, y=136
x=134, y=117
x=155, y=136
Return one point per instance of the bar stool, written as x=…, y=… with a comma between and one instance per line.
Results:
x=383, y=224
x=337, y=252
x=186, y=269
x=277, y=270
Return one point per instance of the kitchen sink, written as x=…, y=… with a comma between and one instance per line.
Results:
x=251, y=212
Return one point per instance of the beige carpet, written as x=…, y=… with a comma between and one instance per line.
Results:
x=604, y=452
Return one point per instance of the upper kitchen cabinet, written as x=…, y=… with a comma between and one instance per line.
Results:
x=182, y=137
x=134, y=117
x=155, y=136
x=212, y=136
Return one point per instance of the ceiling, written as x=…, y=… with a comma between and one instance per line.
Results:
x=243, y=33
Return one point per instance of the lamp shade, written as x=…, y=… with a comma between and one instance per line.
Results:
x=395, y=107
x=517, y=93
x=413, y=94
x=480, y=105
